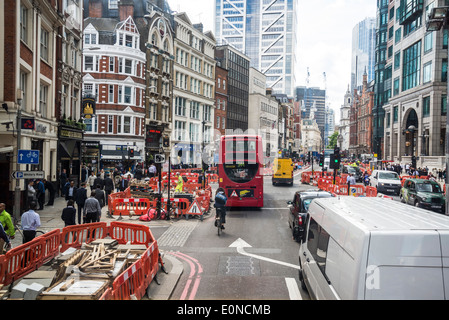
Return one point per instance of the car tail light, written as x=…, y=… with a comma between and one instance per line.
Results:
x=300, y=220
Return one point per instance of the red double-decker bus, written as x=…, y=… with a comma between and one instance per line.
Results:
x=240, y=170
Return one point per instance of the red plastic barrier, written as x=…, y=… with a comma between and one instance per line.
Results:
x=23, y=259
x=151, y=259
x=130, y=232
x=52, y=242
x=123, y=206
x=2, y=268
x=130, y=283
x=370, y=191
x=75, y=236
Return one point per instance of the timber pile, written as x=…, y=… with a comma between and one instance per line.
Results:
x=85, y=273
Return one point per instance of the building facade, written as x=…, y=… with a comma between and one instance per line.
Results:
x=221, y=100
x=363, y=50
x=263, y=108
x=194, y=91
x=343, y=128
x=114, y=78
x=266, y=32
x=313, y=100
x=238, y=65
x=417, y=65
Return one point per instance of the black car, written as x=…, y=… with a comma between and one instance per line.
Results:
x=358, y=175
x=297, y=218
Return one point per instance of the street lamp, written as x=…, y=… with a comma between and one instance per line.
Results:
x=437, y=19
x=411, y=129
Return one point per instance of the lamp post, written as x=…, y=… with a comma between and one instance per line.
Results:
x=437, y=19
x=412, y=129
x=17, y=192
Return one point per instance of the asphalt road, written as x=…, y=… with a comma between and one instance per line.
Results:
x=255, y=258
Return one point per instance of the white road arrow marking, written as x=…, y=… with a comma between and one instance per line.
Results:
x=241, y=244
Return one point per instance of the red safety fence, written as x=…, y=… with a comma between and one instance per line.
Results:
x=123, y=206
x=28, y=257
x=75, y=236
x=130, y=232
x=23, y=259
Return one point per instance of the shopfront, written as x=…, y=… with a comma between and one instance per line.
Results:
x=69, y=151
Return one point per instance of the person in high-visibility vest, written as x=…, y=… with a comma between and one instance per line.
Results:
x=179, y=186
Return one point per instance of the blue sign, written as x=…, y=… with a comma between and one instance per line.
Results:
x=28, y=157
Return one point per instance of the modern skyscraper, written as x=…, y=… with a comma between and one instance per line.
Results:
x=363, y=52
x=264, y=31
x=313, y=101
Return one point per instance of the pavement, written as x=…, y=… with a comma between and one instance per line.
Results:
x=161, y=289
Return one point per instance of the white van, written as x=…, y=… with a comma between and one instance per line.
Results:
x=386, y=181
x=374, y=248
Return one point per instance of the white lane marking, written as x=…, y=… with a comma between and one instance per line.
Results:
x=293, y=290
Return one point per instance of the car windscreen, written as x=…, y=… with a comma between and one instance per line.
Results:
x=388, y=175
x=428, y=187
x=353, y=170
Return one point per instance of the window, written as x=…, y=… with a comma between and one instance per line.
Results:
x=111, y=93
x=317, y=243
x=111, y=64
x=44, y=44
x=129, y=41
x=444, y=70
x=411, y=66
x=180, y=127
x=24, y=87
x=443, y=105
x=43, y=100
x=396, y=86
x=110, y=124
x=119, y=124
x=180, y=106
x=194, y=132
x=128, y=95
x=90, y=38
x=194, y=110
x=426, y=107
x=88, y=63
x=23, y=23
x=218, y=122
x=113, y=4
x=427, y=72
x=395, y=114
x=428, y=42
x=126, y=124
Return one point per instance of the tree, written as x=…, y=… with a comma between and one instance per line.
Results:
x=333, y=140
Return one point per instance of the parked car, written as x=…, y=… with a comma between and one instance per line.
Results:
x=374, y=249
x=358, y=175
x=297, y=219
x=386, y=181
x=423, y=193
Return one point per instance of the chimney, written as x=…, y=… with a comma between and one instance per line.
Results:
x=95, y=8
x=125, y=9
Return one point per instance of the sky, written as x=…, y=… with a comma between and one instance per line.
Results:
x=324, y=36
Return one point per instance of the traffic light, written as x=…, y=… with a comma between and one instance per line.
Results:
x=166, y=142
x=334, y=161
x=321, y=160
x=131, y=152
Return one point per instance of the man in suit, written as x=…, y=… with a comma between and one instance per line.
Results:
x=100, y=196
x=98, y=181
x=70, y=191
x=108, y=186
x=51, y=189
x=68, y=214
x=80, y=199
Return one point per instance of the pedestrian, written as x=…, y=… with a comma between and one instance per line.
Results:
x=71, y=191
x=31, y=192
x=123, y=183
x=6, y=221
x=4, y=239
x=84, y=174
x=63, y=181
x=138, y=174
x=69, y=214
x=30, y=222
x=117, y=182
x=51, y=192
x=40, y=194
x=91, y=180
x=92, y=209
x=99, y=181
x=80, y=199
x=108, y=186
x=100, y=196
x=152, y=170
x=180, y=184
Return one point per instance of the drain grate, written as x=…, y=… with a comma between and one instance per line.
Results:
x=239, y=266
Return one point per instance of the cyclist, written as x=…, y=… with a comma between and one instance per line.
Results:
x=220, y=206
x=6, y=221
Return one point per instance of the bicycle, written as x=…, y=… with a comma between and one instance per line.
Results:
x=219, y=221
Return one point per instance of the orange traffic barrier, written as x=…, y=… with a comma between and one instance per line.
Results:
x=2, y=269
x=370, y=191
x=52, y=241
x=130, y=232
x=124, y=205
x=130, y=283
x=23, y=259
x=75, y=236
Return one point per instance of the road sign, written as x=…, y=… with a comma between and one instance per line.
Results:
x=159, y=158
x=28, y=157
x=28, y=174
x=195, y=208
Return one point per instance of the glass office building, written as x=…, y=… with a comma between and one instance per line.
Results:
x=264, y=31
